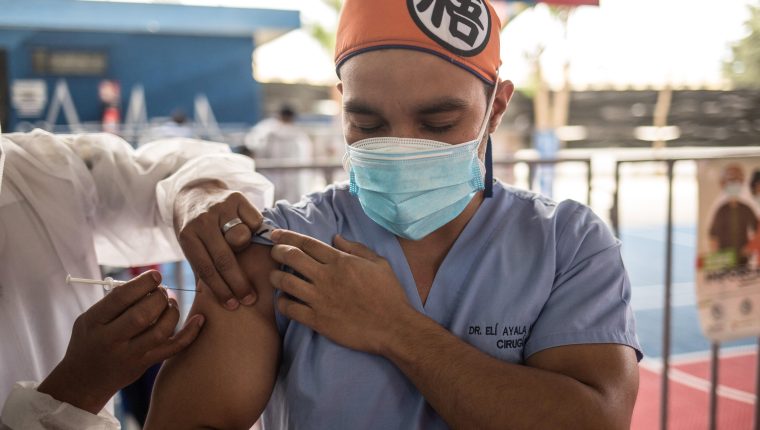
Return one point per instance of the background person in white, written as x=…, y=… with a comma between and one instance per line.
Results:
x=281, y=139
x=68, y=203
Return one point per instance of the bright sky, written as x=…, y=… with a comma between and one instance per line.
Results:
x=630, y=42
x=638, y=43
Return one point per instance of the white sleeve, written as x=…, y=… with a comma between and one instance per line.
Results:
x=28, y=409
x=136, y=191
x=236, y=171
x=117, y=187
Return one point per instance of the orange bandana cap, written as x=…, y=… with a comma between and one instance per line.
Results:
x=464, y=32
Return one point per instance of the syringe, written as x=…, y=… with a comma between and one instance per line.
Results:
x=109, y=283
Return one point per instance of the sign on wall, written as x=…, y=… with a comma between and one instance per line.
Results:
x=29, y=97
x=728, y=260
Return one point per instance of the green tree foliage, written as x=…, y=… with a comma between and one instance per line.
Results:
x=326, y=34
x=744, y=67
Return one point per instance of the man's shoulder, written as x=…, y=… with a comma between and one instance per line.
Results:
x=747, y=209
x=316, y=213
x=334, y=195
x=572, y=227
x=739, y=206
x=520, y=194
x=531, y=206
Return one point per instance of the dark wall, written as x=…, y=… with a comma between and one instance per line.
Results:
x=705, y=117
x=173, y=69
x=725, y=118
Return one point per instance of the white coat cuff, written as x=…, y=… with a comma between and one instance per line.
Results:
x=236, y=171
x=27, y=408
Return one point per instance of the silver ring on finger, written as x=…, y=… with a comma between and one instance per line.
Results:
x=231, y=223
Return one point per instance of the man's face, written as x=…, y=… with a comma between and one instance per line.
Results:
x=733, y=173
x=403, y=93
x=732, y=180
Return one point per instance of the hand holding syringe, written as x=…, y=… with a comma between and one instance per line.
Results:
x=117, y=339
x=110, y=283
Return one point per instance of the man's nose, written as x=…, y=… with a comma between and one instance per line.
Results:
x=406, y=131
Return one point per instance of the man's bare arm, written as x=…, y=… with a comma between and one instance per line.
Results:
x=224, y=380
x=590, y=386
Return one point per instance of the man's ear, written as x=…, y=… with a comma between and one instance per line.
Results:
x=504, y=93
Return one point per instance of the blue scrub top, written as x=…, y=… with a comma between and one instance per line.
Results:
x=526, y=274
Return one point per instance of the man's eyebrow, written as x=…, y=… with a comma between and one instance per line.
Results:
x=447, y=104
x=358, y=107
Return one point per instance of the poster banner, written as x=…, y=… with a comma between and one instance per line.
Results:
x=728, y=248
x=29, y=97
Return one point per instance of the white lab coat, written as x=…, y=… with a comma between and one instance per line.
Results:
x=67, y=204
x=277, y=140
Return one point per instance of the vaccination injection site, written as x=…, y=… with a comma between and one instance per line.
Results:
x=364, y=214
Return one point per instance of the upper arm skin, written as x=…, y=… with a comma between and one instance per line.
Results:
x=225, y=378
x=610, y=370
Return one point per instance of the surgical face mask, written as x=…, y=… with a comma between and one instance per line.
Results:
x=733, y=189
x=412, y=187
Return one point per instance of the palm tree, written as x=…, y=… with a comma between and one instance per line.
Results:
x=743, y=70
x=324, y=34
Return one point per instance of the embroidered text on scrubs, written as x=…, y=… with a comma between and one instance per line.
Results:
x=506, y=331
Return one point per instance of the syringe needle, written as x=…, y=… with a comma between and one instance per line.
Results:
x=72, y=280
x=109, y=283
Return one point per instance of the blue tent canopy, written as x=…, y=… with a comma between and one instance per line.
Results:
x=78, y=15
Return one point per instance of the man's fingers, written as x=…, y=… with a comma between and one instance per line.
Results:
x=297, y=259
x=292, y=285
x=159, y=332
x=249, y=214
x=140, y=316
x=296, y=311
x=205, y=270
x=316, y=249
x=226, y=264
x=353, y=248
x=178, y=342
x=124, y=296
x=238, y=237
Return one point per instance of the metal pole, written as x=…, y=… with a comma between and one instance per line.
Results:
x=179, y=278
x=666, y=311
x=615, y=202
x=530, y=175
x=757, y=390
x=179, y=282
x=714, y=349
x=589, y=182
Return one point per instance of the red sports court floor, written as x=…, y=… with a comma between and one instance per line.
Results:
x=689, y=391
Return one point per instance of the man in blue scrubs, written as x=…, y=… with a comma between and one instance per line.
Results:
x=422, y=294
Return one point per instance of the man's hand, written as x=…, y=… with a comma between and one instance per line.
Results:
x=200, y=212
x=351, y=296
x=116, y=340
